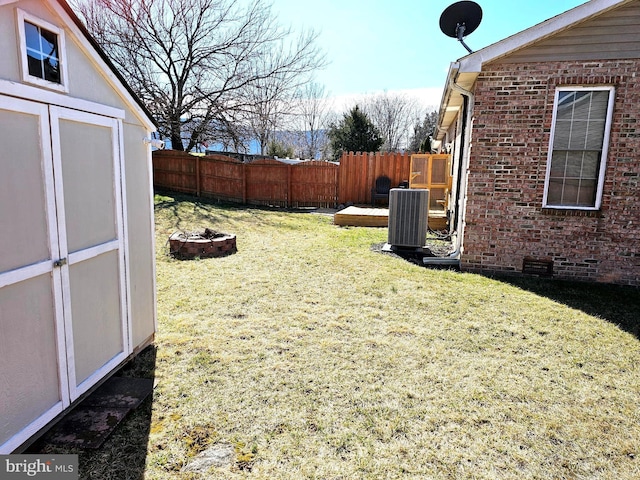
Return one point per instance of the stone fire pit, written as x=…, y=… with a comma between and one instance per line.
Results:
x=202, y=244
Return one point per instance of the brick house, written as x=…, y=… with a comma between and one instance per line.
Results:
x=544, y=132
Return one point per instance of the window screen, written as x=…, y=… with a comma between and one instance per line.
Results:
x=578, y=148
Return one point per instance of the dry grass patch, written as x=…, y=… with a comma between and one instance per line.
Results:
x=316, y=357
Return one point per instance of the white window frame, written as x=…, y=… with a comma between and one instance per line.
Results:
x=605, y=146
x=23, y=17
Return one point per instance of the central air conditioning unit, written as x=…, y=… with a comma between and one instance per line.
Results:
x=408, y=217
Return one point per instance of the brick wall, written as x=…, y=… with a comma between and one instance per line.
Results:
x=505, y=219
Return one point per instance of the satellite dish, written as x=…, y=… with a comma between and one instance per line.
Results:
x=461, y=19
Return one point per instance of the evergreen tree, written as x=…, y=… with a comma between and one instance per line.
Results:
x=280, y=150
x=420, y=141
x=354, y=133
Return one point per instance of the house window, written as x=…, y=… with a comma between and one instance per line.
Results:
x=578, y=147
x=42, y=51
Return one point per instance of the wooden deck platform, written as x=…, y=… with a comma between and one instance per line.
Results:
x=379, y=217
x=362, y=217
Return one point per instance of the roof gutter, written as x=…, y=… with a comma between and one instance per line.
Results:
x=453, y=259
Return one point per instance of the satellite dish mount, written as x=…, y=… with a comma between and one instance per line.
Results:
x=461, y=19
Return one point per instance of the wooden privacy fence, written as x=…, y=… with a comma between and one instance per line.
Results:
x=262, y=182
x=358, y=173
x=307, y=184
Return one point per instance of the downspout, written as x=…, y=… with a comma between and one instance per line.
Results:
x=453, y=259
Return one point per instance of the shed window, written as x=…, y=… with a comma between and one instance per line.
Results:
x=578, y=150
x=42, y=52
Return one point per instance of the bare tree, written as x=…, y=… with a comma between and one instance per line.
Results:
x=191, y=62
x=313, y=119
x=394, y=115
x=271, y=100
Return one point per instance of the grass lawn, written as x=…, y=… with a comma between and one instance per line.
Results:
x=313, y=356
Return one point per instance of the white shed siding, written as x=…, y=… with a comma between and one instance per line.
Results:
x=140, y=232
x=112, y=312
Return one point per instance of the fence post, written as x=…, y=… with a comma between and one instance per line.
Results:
x=368, y=180
x=288, y=199
x=244, y=183
x=197, y=176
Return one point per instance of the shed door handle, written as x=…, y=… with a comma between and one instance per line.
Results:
x=60, y=263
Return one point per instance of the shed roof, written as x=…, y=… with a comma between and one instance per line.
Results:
x=115, y=77
x=464, y=72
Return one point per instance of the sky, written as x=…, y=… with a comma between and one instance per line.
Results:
x=374, y=46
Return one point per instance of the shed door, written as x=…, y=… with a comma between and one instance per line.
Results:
x=63, y=317
x=86, y=159
x=33, y=368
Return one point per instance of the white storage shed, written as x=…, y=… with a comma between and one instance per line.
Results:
x=77, y=276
